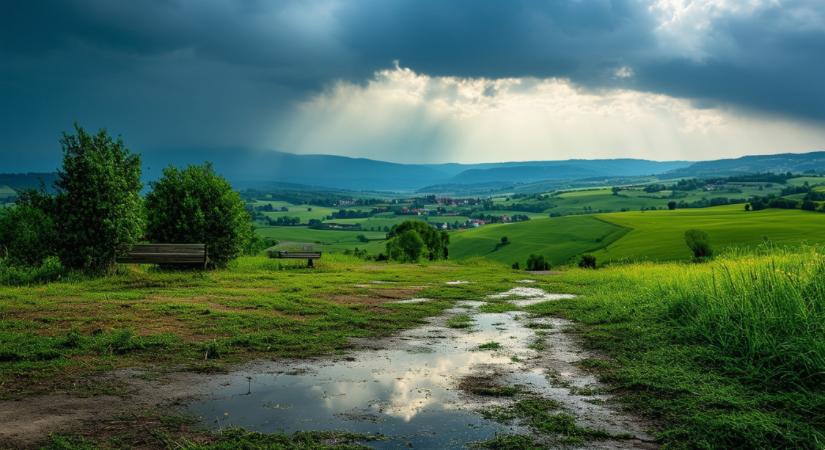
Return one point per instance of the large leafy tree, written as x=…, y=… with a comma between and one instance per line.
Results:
x=98, y=203
x=196, y=205
x=402, y=245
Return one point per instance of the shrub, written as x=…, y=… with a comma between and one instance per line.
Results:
x=27, y=235
x=537, y=262
x=196, y=205
x=98, y=200
x=699, y=243
x=49, y=269
x=587, y=262
x=515, y=266
x=671, y=205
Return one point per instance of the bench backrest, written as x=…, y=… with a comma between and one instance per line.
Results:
x=184, y=254
x=301, y=255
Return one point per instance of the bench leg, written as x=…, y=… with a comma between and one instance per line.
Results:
x=309, y=262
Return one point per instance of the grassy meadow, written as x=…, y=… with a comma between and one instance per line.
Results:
x=728, y=354
x=54, y=333
x=717, y=355
x=331, y=241
x=659, y=235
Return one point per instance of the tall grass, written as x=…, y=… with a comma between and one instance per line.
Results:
x=766, y=310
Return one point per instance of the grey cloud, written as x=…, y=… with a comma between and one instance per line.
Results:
x=194, y=73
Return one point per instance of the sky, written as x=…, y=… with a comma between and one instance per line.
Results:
x=415, y=80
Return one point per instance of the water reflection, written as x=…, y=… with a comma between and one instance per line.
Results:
x=406, y=392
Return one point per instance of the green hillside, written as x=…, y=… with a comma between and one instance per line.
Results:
x=558, y=239
x=651, y=235
x=659, y=235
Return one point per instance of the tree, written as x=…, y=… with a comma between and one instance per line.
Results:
x=615, y=190
x=587, y=262
x=537, y=262
x=435, y=241
x=515, y=266
x=505, y=240
x=808, y=205
x=671, y=205
x=196, y=205
x=747, y=206
x=98, y=206
x=406, y=246
x=362, y=238
x=699, y=243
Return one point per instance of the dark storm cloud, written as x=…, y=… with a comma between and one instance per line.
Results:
x=171, y=73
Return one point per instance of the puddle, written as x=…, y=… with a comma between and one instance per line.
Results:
x=456, y=282
x=530, y=296
x=407, y=392
x=406, y=387
x=526, y=281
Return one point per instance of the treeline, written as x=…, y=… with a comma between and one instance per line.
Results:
x=488, y=218
x=352, y=214
x=297, y=197
x=807, y=203
x=692, y=184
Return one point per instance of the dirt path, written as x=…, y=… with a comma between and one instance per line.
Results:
x=426, y=387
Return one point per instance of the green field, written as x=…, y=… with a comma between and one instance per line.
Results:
x=637, y=235
x=558, y=239
x=659, y=235
x=332, y=241
x=303, y=212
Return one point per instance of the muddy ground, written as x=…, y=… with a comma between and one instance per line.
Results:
x=429, y=386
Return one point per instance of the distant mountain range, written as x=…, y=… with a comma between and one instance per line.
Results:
x=258, y=169
x=780, y=163
x=250, y=169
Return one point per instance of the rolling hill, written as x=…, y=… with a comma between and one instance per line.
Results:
x=659, y=235
x=779, y=163
x=558, y=239
x=650, y=235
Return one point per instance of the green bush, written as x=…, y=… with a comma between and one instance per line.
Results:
x=196, y=205
x=587, y=262
x=98, y=206
x=27, y=235
x=699, y=243
x=537, y=262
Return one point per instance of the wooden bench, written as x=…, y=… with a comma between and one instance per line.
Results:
x=166, y=254
x=283, y=254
